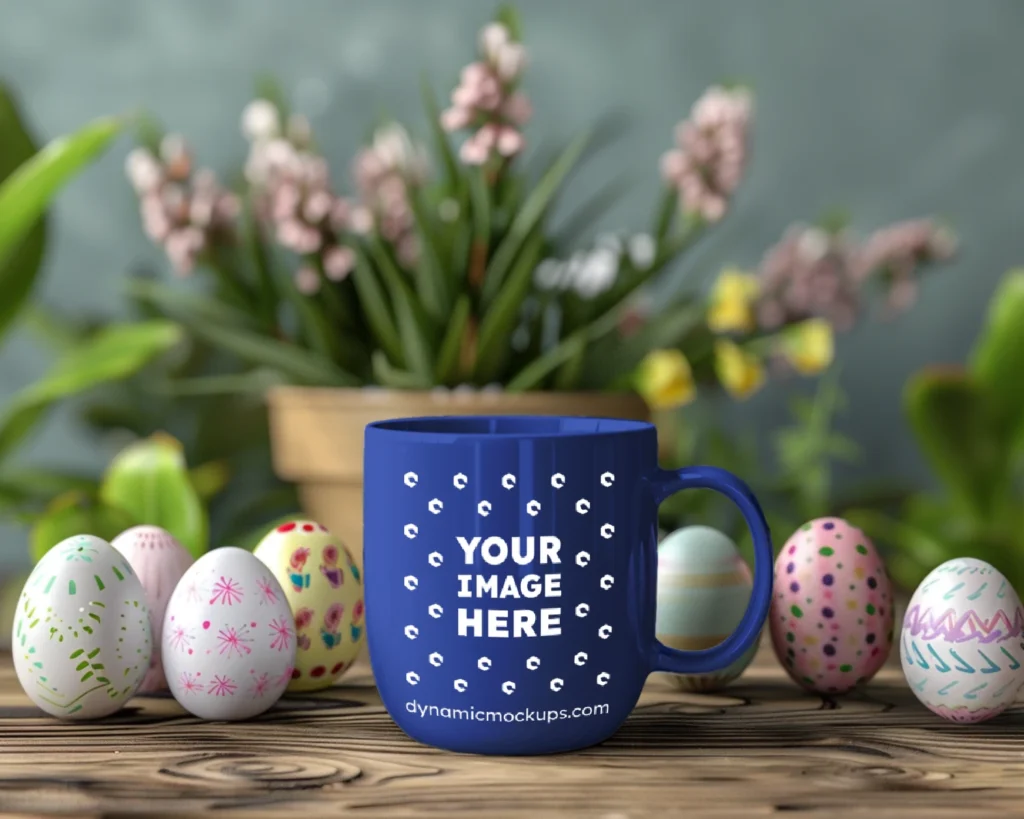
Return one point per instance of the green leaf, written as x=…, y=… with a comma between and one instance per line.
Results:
x=480, y=200
x=26, y=193
x=529, y=216
x=230, y=329
x=591, y=212
x=612, y=305
x=251, y=539
x=430, y=279
x=185, y=307
x=298, y=366
x=150, y=481
x=448, y=356
x=266, y=289
x=533, y=374
x=568, y=375
x=667, y=209
x=509, y=17
x=416, y=343
x=912, y=550
x=149, y=133
x=19, y=272
x=76, y=513
x=317, y=331
x=60, y=332
x=631, y=279
x=115, y=353
x=499, y=321
x=614, y=356
x=210, y=479
x=442, y=145
x=268, y=88
x=954, y=420
x=998, y=357
x=254, y=383
x=389, y=376
x=30, y=488
x=375, y=307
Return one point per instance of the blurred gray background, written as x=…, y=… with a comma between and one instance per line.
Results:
x=886, y=110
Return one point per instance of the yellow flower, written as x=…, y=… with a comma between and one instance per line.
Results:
x=665, y=380
x=741, y=373
x=732, y=302
x=809, y=346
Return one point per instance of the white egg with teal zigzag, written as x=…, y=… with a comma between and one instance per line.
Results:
x=962, y=642
x=704, y=586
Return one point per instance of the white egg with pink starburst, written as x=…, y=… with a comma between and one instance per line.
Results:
x=228, y=641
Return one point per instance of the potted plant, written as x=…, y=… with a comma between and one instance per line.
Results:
x=443, y=285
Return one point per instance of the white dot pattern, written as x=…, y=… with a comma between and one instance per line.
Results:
x=533, y=508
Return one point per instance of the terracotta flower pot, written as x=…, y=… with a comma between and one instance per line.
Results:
x=317, y=436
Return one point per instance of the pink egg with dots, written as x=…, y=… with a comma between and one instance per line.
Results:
x=831, y=615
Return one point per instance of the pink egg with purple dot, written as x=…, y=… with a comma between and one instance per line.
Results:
x=831, y=616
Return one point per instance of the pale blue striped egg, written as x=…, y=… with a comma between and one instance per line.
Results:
x=704, y=586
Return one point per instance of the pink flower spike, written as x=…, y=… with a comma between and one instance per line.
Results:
x=361, y=220
x=518, y=109
x=466, y=96
x=510, y=141
x=493, y=38
x=338, y=263
x=510, y=62
x=713, y=208
x=307, y=281
x=285, y=201
x=143, y=170
x=473, y=151
x=487, y=136
x=154, y=218
x=317, y=207
x=673, y=166
x=456, y=118
x=474, y=74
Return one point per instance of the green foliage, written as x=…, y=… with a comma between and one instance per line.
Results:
x=28, y=182
x=967, y=422
x=807, y=449
x=795, y=487
x=150, y=481
x=75, y=513
x=25, y=254
x=147, y=482
x=999, y=352
x=114, y=353
x=959, y=429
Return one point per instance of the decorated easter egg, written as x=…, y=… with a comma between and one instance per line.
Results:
x=159, y=562
x=832, y=610
x=81, y=640
x=228, y=637
x=704, y=586
x=324, y=588
x=961, y=643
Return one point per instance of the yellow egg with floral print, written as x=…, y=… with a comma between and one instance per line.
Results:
x=324, y=588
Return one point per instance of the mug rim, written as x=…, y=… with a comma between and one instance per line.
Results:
x=448, y=428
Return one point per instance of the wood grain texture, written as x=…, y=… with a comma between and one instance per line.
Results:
x=761, y=748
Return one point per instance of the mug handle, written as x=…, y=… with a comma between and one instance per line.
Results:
x=667, y=482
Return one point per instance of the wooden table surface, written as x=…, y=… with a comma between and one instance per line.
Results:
x=759, y=748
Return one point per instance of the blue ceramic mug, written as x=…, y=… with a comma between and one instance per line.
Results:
x=510, y=569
